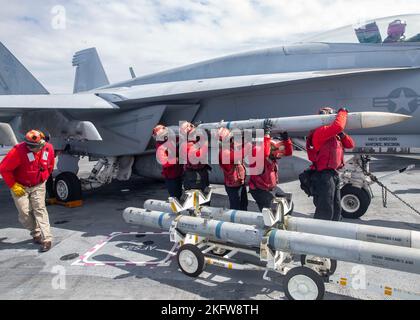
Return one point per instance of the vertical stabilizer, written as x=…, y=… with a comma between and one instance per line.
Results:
x=15, y=78
x=90, y=73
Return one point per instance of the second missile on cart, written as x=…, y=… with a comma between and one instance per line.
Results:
x=392, y=236
x=374, y=254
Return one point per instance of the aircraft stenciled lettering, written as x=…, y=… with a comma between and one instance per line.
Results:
x=385, y=141
x=401, y=100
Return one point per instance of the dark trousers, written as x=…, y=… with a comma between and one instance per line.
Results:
x=327, y=196
x=238, y=198
x=174, y=187
x=263, y=198
x=198, y=180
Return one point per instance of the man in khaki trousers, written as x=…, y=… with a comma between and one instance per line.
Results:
x=33, y=214
x=25, y=169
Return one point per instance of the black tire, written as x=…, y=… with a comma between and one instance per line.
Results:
x=196, y=254
x=357, y=198
x=67, y=187
x=330, y=272
x=49, y=186
x=369, y=194
x=313, y=278
x=292, y=209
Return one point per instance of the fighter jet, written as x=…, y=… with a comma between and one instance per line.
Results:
x=372, y=66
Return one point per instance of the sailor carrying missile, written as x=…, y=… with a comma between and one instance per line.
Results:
x=325, y=146
x=195, y=152
x=262, y=186
x=167, y=156
x=231, y=156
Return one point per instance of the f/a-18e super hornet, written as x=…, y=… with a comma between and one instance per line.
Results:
x=373, y=66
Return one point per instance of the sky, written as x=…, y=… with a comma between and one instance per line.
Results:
x=154, y=35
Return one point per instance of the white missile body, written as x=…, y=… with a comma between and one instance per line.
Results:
x=391, y=236
x=361, y=252
x=356, y=120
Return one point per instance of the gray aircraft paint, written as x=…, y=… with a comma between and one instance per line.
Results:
x=15, y=78
x=293, y=80
x=90, y=73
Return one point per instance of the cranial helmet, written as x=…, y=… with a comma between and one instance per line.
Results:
x=224, y=134
x=327, y=110
x=396, y=29
x=159, y=131
x=277, y=149
x=35, y=138
x=186, y=128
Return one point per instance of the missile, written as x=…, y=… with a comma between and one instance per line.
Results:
x=356, y=120
x=390, y=236
x=355, y=251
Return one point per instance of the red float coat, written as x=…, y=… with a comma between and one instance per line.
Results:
x=325, y=148
x=27, y=168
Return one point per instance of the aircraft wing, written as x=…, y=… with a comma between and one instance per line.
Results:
x=143, y=95
x=202, y=88
x=12, y=106
x=54, y=101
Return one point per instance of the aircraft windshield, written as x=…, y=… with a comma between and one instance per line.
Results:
x=394, y=29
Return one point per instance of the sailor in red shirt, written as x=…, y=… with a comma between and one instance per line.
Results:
x=262, y=186
x=325, y=146
x=167, y=156
x=234, y=171
x=25, y=170
x=196, y=169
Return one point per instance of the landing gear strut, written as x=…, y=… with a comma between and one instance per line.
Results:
x=67, y=187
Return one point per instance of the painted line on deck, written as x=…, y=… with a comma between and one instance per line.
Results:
x=85, y=262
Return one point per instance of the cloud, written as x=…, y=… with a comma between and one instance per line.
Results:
x=153, y=35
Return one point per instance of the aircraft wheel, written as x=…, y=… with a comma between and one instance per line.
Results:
x=67, y=187
x=292, y=208
x=330, y=264
x=191, y=260
x=50, y=188
x=302, y=283
x=354, y=201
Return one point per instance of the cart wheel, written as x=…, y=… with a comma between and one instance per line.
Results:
x=302, y=283
x=190, y=260
x=354, y=201
x=331, y=263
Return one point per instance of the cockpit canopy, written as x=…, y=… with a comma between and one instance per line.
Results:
x=396, y=29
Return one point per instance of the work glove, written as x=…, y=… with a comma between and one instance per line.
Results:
x=344, y=110
x=268, y=125
x=284, y=135
x=18, y=190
